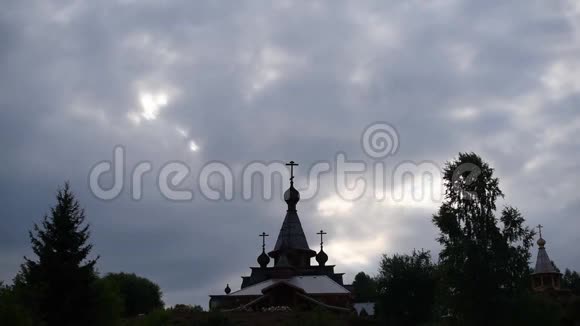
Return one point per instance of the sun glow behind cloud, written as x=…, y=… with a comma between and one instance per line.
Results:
x=151, y=104
x=193, y=146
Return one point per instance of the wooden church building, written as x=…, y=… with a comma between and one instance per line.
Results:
x=285, y=277
x=546, y=277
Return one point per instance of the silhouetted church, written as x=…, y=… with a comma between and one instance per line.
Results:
x=546, y=276
x=292, y=281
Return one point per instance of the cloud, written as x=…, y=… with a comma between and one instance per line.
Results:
x=248, y=81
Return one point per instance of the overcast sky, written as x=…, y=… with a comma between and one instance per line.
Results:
x=244, y=81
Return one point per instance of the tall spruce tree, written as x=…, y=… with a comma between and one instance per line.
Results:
x=60, y=282
x=484, y=260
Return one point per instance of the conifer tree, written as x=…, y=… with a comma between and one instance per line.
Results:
x=60, y=281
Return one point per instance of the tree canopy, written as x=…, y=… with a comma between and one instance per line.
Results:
x=406, y=286
x=139, y=295
x=484, y=259
x=364, y=288
x=571, y=281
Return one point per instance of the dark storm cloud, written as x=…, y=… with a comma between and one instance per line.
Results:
x=262, y=80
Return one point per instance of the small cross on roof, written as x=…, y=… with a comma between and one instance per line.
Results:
x=263, y=235
x=321, y=233
x=291, y=164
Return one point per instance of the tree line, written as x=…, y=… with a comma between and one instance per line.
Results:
x=482, y=276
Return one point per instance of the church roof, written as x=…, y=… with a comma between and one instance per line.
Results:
x=292, y=235
x=543, y=263
x=318, y=284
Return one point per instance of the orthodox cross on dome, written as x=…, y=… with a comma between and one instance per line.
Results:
x=264, y=235
x=321, y=233
x=291, y=164
x=540, y=227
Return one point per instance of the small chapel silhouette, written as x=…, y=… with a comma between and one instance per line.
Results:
x=546, y=276
x=292, y=281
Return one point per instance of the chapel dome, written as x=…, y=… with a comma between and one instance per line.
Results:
x=263, y=260
x=291, y=195
x=541, y=242
x=321, y=258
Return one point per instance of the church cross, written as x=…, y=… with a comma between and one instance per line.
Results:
x=291, y=164
x=540, y=227
x=321, y=233
x=264, y=235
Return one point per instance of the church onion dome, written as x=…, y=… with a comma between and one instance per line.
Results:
x=541, y=242
x=227, y=290
x=321, y=258
x=263, y=260
x=291, y=197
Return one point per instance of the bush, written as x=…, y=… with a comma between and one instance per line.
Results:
x=12, y=313
x=139, y=295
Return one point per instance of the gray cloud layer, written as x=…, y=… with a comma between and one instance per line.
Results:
x=261, y=80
